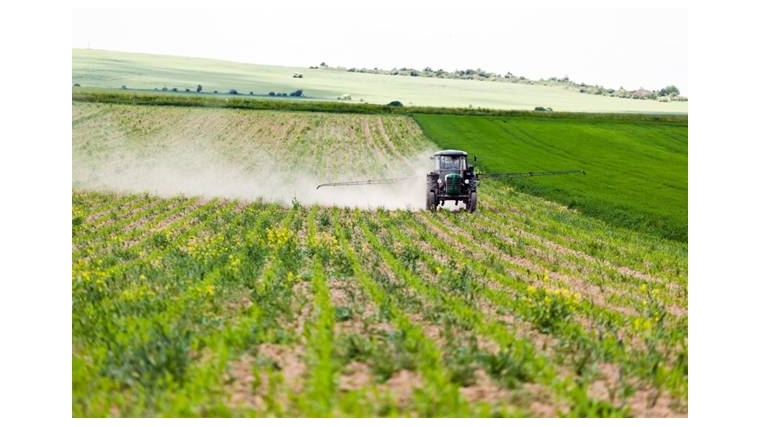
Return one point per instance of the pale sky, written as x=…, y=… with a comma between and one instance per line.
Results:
x=614, y=47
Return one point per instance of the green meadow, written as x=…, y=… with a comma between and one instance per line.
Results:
x=637, y=171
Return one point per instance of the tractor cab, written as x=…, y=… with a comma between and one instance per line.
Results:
x=451, y=179
x=451, y=162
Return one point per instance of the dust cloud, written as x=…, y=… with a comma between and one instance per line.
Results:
x=203, y=171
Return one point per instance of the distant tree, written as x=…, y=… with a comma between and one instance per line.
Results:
x=539, y=109
x=199, y=89
x=187, y=90
x=164, y=89
x=323, y=65
x=668, y=91
x=233, y=92
x=395, y=104
x=271, y=93
x=216, y=91
x=250, y=93
x=298, y=92
x=174, y=89
x=77, y=85
x=123, y=87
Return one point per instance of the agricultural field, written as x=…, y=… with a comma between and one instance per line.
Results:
x=225, y=295
x=637, y=171
x=104, y=69
x=244, y=154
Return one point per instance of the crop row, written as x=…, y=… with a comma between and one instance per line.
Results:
x=188, y=307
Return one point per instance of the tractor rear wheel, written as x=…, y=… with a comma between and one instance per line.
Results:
x=473, y=203
x=431, y=201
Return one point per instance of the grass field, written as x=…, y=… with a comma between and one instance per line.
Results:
x=636, y=171
x=104, y=69
x=204, y=306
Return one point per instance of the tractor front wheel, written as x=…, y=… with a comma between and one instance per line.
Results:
x=473, y=203
x=431, y=201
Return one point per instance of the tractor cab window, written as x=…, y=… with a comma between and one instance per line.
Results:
x=451, y=163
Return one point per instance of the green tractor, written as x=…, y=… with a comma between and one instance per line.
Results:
x=452, y=179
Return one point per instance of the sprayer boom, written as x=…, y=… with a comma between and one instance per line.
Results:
x=529, y=174
x=452, y=179
x=479, y=175
x=366, y=182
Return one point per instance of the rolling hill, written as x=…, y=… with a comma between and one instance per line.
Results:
x=105, y=69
